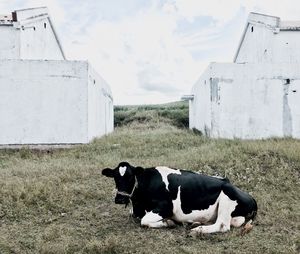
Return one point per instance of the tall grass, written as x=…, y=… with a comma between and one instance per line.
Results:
x=56, y=201
x=175, y=113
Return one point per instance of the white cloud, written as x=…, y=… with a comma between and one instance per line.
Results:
x=287, y=10
x=140, y=55
x=223, y=11
x=219, y=10
x=4, y=6
x=7, y=6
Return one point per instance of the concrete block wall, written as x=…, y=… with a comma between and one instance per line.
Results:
x=50, y=102
x=248, y=101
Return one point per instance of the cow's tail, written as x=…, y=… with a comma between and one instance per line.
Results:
x=252, y=215
x=248, y=226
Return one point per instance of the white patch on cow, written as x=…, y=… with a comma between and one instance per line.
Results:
x=222, y=224
x=237, y=221
x=202, y=216
x=153, y=220
x=165, y=171
x=122, y=170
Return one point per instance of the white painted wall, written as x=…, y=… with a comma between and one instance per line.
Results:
x=48, y=102
x=37, y=41
x=100, y=106
x=9, y=42
x=199, y=107
x=258, y=96
x=45, y=99
x=249, y=101
x=267, y=41
x=31, y=37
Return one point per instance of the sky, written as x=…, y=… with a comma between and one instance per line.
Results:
x=152, y=51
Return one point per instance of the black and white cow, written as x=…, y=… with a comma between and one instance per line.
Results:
x=162, y=195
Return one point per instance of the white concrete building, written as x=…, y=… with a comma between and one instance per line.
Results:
x=46, y=99
x=257, y=96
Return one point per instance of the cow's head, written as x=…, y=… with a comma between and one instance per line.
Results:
x=125, y=178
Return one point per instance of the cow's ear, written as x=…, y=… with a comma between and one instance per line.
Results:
x=108, y=172
x=138, y=171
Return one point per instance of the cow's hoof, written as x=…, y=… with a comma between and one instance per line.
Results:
x=193, y=234
x=170, y=223
x=196, y=231
x=195, y=225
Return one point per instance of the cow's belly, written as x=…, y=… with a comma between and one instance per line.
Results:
x=202, y=216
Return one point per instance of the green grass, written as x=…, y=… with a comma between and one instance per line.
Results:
x=58, y=202
x=175, y=113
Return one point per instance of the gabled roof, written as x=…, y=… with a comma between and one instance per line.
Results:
x=270, y=22
x=23, y=17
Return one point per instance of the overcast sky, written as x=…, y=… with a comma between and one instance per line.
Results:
x=152, y=51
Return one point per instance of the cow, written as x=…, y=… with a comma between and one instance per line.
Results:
x=163, y=196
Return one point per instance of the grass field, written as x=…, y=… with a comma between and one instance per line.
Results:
x=176, y=113
x=56, y=201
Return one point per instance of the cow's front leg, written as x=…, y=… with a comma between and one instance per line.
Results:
x=154, y=220
x=138, y=211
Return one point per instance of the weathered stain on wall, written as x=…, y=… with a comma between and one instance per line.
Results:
x=287, y=121
x=214, y=89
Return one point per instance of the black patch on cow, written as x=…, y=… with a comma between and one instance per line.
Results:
x=198, y=192
x=151, y=195
x=246, y=206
